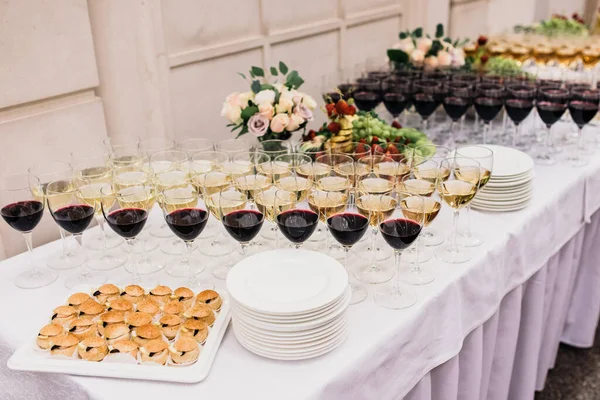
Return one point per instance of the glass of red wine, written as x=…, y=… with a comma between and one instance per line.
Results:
x=126, y=211
x=296, y=221
x=551, y=105
x=457, y=100
x=368, y=94
x=583, y=107
x=400, y=230
x=426, y=99
x=73, y=210
x=22, y=207
x=347, y=226
x=488, y=102
x=518, y=107
x=396, y=95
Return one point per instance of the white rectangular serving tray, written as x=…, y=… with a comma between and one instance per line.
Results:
x=28, y=358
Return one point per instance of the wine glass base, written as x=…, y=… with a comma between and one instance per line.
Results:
x=180, y=270
x=577, y=162
x=381, y=254
x=410, y=255
x=67, y=261
x=145, y=244
x=96, y=242
x=465, y=239
x=34, y=278
x=106, y=262
x=270, y=233
x=196, y=284
x=89, y=278
x=359, y=293
x=336, y=251
x=216, y=249
x=175, y=247
x=451, y=255
x=221, y=271
x=395, y=298
x=373, y=274
x=161, y=231
x=544, y=159
x=420, y=276
x=431, y=237
x=146, y=266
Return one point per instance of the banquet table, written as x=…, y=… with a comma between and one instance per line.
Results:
x=485, y=329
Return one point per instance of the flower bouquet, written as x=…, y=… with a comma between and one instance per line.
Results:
x=417, y=50
x=269, y=110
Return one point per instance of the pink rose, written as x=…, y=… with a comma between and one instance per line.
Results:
x=266, y=109
x=279, y=122
x=258, y=125
x=295, y=122
x=304, y=112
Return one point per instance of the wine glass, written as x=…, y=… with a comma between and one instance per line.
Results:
x=432, y=172
x=231, y=147
x=298, y=222
x=518, y=107
x=266, y=202
x=397, y=96
x=126, y=211
x=485, y=157
x=22, y=207
x=295, y=182
x=457, y=191
x=124, y=152
x=488, y=103
x=274, y=147
x=458, y=99
x=187, y=219
x=425, y=152
x=368, y=94
x=73, y=212
x=195, y=145
x=400, y=230
x=347, y=227
x=426, y=99
x=551, y=105
x=583, y=107
x=156, y=144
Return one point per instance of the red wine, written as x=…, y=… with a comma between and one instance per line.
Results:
x=127, y=222
x=74, y=218
x=187, y=223
x=550, y=112
x=425, y=104
x=518, y=109
x=243, y=225
x=378, y=74
x=23, y=216
x=488, y=107
x=395, y=103
x=456, y=107
x=297, y=225
x=347, y=228
x=366, y=101
x=347, y=89
x=400, y=233
x=582, y=112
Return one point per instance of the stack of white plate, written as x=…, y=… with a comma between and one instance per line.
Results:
x=289, y=304
x=510, y=187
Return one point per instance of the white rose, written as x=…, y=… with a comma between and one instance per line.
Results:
x=406, y=45
x=244, y=98
x=424, y=44
x=266, y=109
x=285, y=104
x=444, y=58
x=279, y=122
x=309, y=102
x=265, y=96
x=431, y=61
x=279, y=87
x=458, y=60
x=232, y=112
x=417, y=56
x=295, y=122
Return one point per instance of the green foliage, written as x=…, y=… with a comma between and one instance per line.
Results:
x=249, y=112
x=436, y=46
x=257, y=71
x=397, y=56
x=418, y=33
x=274, y=71
x=242, y=75
x=293, y=80
x=439, y=31
x=255, y=86
x=283, y=68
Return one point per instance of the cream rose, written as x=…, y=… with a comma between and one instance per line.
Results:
x=279, y=122
x=232, y=112
x=285, y=104
x=406, y=45
x=266, y=109
x=458, y=60
x=417, y=56
x=295, y=122
x=424, y=44
x=265, y=96
x=444, y=58
x=431, y=61
x=244, y=98
x=309, y=102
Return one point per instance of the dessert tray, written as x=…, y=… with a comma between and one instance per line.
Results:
x=132, y=362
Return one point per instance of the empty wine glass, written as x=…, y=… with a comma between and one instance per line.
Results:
x=195, y=145
x=232, y=147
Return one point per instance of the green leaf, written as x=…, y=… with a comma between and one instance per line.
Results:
x=402, y=35
x=242, y=75
x=267, y=86
x=248, y=112
x=255, y=86
x=439, y=31
x=274, y=71
x=448, y=40
x=283, y=68
x=418, y=32
x=293, y=80
x=252, y=74
x=236, y=127
x=228, y=125
x=257, y=71
x=435, y=47
x=397, y=56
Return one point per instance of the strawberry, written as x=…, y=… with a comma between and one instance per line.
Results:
x=377, y=149
x=392, y=149
x=482, y=40
x=484, y=59
x=334, y=127
x=341, y=107
x=396, y=125
x=312, y=134
x=360, y=148
x=398, y=139
x=351, y=110
x=364, y=141
x=330, y=107
x=375, y=139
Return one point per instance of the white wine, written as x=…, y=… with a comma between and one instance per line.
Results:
x=125, y=179
x=179, y=197
x=249, y=184
x=213, y=182
x=425, y=212
x=200, y=167
x=419, y=187
x=334, y=184
x=296, y=184
x=161, y=166
x=136, y=197
x=58, y=193
x=96, y=174
x=391, y=169
x=271, y=205
x=126, y=161
x=352, y=171
x=237, y=167
x=376, y=207
x=326, y=203
x=169, y=179
x=432, y=174
x=457, y=193
x=314, y=170
x=274, y=170
x=91, y=195
x=478, y=176
x=217, y=205
x=375, y=185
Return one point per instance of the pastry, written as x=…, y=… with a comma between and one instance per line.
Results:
x=92, y=348
x=119, y=305
x=63, y=315
x=47, y=335
x=201, y=312
x=124, y=346
x=138, y=319
x=210, y=298
x=185, y=296
x=170, y=325
x=64, y=345
x=91, y=309
x=195, y=329
x=115, y=332
x=184, y=351
x=155, y=351
x=162, y=294
x=133, y=293
x=110, y=318
x=173, y=307
x=83, y=327
x=148, y=306
x=77, y=299
x=145, y=333
x=107, y=292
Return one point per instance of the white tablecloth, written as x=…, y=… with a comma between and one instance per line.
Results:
x=389, y=352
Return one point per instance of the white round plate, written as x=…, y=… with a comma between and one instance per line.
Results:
x=287, y=281
x=495, y=185
x=511, y=177
x=509, y=161
x=278, y=349
x=527, y=185
x=301, y=335
x=291, y=340
x=505, y=209
x=503, y=202
x=500, y=197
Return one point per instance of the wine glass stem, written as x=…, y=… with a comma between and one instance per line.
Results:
x=373, y=246
x=468, y=228
x=276, y=232
x=454, y=228
x=425, y=124
x=100, y=221
x=29, y=242
x=486, y=128
x=63, y=241
x=453, y=125
x=186, y=261
x=548, y=141
x=404, y=118
x=297, y=246
x=416, y=265
x=580, y=142
x=243, y=247
x=85, y=272
x=397, y=256
x=134, y=261
x=515, y=133
x=346, y=253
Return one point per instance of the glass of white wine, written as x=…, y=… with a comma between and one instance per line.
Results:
x=195, y=145
x=275, y=147
x=267, y=203
x=201, y=163
x=431, y=172
x=232, y=147
x=457, y=192
x=210, y=184
x=295, y=182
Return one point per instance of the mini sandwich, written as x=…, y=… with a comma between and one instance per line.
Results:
x=77, y=299
x=133, y=293
x=110, y=318
x=184, y=351
x=148, y=306
x=185, y=296
x=124, y=347
x=201, y=312
x=170, y=325
x=106, y=292
x=64, y=345
x=93, y=348
x=119, y=305
x=145, y=334
x=137, y=319
x=194, y=329
x=161, y=294
x=63, y=315
x=155, y=351
x=210, y=298
x=91, y=309
x=47, y=334
x=83, y=328
x=116, y=332
x=173, y=307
